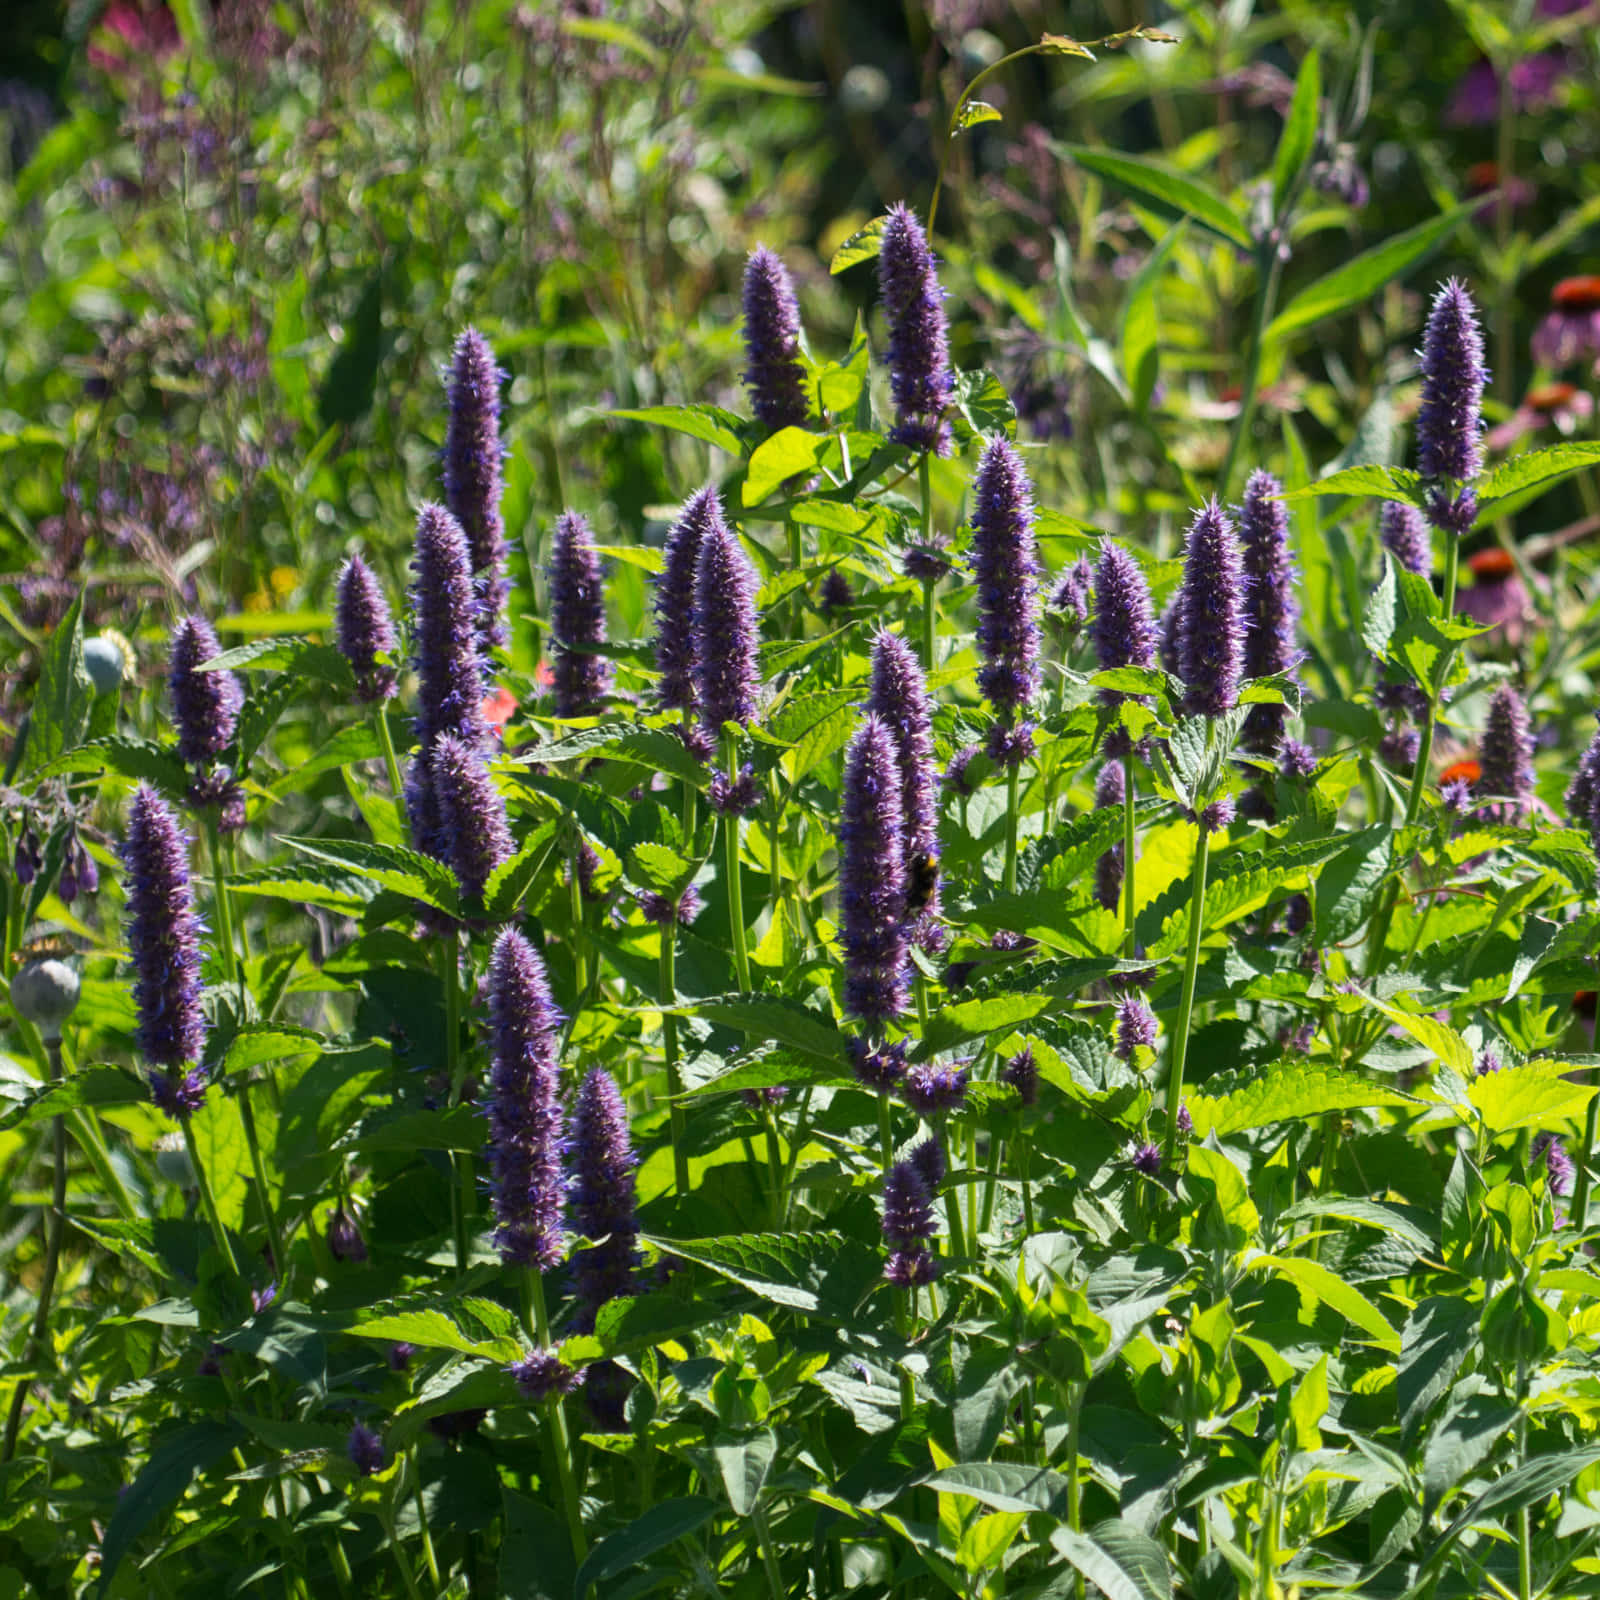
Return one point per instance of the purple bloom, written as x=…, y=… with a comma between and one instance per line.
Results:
x=543, y=1375
x=472, y=485
x=399, y=1356
x=1270, y=607
x=1211, y=642
x=1399, y=747
x=1583, y=794
x=365, y=1450
x=1216, y=816
x=772, y=373
x=1074, y=595
x=929, y=1088
x=1009, y=744
x=877, y=1067
x=1560, y=1170
x=344, y=1237
x=1124, y=627
x=364, y=631
x=734, y=797
x=602, y=1196
x=955, y=772
x=525, y=1121
x=834, y=592
x=919, y=358
x=1110, y=789
x=674, y=599
x=577, y=618
x=1450, y=415
x=1296, y=761
x=1297, y=915
x=1185, y=1121
x=727, y=671
x=1455, y=795
x=79, y=873
x=907, y=1207
x=1136, y=1026
x=178, y=1094
x=472, y=814
x=261, y=1299
x=1405, y=536
x=163, y=934
x=872, y=899
x=1147, y=1160
x=928, y=1161
x=1022, y=1073
x=205, y=705
x=1005, y=562
x=1505, y=756
x=1570, y=331
x=1489, y=1061
x=1476, y=99
x=662, y=909
x=928, y=561
x=217, y=791
x=899, y=697
x=1340, y=176
x=910, y=1269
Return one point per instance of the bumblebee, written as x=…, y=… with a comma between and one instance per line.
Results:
x=922, y=878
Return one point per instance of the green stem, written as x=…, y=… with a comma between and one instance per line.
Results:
x=1524, y=1528
x=929, y=631
x=247, y=1117
x=885, y=1133
x=560, y=1442
x=1129, y=948
x=86, y=1130
x=774, y=1163
x=952, y=1212
x=1265, y=301
x=1013, y=784
x=1191, y=966
x=390, y=764
x=580, y=935
x=1074, y=1487
x=667, y=994
x=730, y=845
x=407, y=1576
x=1024, y=1164
x=340, y=1563
x=422, y=1521
x=208, y=1201
x=221, y=906
x=769, y=1556
x=1580, y=1189
x=461, y=1193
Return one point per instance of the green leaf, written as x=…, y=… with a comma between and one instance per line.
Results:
x=312, y=884
x=258, y=1042
x=1531, y=1095
x=660, y=1527
x=1316, y=1280
x=358, y=742
x=1357, y=281
x=821, y=1273
x=1231, y=1102
x=1129, y=1566
x=1308, y=1405
x=433, y=1330
x=789, y=452
x=783, y=1021
x=392, y=867
x=1439, y=1335
x=709, y=423
x=1377, y=622
x=535, y=1555
x=744, y=1465
x=1520, y=481
x=1299, y=137
x=93, y=1086
x=973, y=112
x=1171, y=193
x=863, y=245
x=1348, y=886
x=512, y=879
x=64, y=695
x=219, y=1143
x=1439, y=1037
x=1368, y=481
x=1004, y=1486
x=1141, y=320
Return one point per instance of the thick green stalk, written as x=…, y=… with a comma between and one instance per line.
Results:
x=391, y=765
x=929, y=630
x=769, y=1556
x=1129, y=947
x=1191, y=966
x=667, y=994
x=580, y=936
x=221, y=908
x=1074, y=1401
x=208, y=1201
x=560, y=1442
x=1013, y=784
x=1580, y=1188
x=885, y=1133
x=730, y=845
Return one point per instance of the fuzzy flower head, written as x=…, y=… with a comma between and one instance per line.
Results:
x=1271, y=609
x=1073, y=597
x=1583, y=793
x=525, y=1118
x=1559, y=1168
x=205, y=705
x=929, y=1088
x=472, y=814
x=365, y=1449
x=602, y=1195
x=1405, y=536
x=1505, y=756
x=1297, y=761
x=879, y=1067
x=364, y=631
x=1570, y=331
x=543, y=1375
x=899, y=697
x=956, y=778
x=473, y=455
x=929, y=560
x=1136, y=1026
x=1450, y=416
x=1005, y=562
x=674, y=599
x=663, y=910
x=736, y=796
x=1399, y=747
x=1110, y=791
x=1124, y=628
x=907, y=1207
x=1022, y=1073
x=772, y=371
x=727, y=631
x=1146, y=1160
x=577, y=617
x=163, y=933
x=919, y=357
x=345, y=1241
x=872, y=898
x=928, y=1159
x=178, y=1094
x=1211, y=639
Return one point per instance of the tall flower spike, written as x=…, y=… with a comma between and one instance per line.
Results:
x=772, y=371
x=1005, y=561
x=907, y=1226
x=525, y=1120
x=1124, y=628
x=472, y=814
x=919, y=356
x=445, y=656
x=899, y=696
x=163, y=934
x=1505, y=756
x=472, y=483
x=1110, y=789
x=1270, y=607
x=872, y=898
x=205, y=705
x=1405, y=536
x=602, y=1195
x=577, y=617
x=674, y=599
x=364, y=631
x=1450, y=414
x=726, y=630
x=1583, y=794
x=1211, y=636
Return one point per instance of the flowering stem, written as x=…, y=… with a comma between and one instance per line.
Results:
x=380, y=721
x=575, y=910
x=1128, y=944
x=730, y=844
x=667, y=994
x=774, y=1163
x=1191, y=966
x=56, y=1224
x=1024, y=1163
x=208, y=1201
x=1013, y=783
x=560, y=1443
x=928, y=629
x=769, y=1556
x=885, y=1133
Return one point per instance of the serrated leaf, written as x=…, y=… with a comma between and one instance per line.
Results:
x=1533, y=1094
x=433, y=1330
x=93, y=1086
x=260, y=1042
x=1368, y=481
x=656, y=1530
x=1348, y=886
x=1439, y=1335
x=1520, y=481
x=512, y=879
x=1230, y=1102
x=1377, y=621
x=141, y=759
x=782, y=1021
x=822, y=1273
x=64, y=694
x=311, y=884
x=392, y=867
x=1439, y=1037
x=1106, y=1571
x=1321, y=1284
x=789, y=452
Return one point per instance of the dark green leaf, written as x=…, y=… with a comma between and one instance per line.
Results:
x=1171, y=193
x=660, y=1527
x=1299, y=136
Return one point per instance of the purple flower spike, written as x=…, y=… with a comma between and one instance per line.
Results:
x=919, y=357
x=1559, y=1167
x=1147, y=1160
x=602, y=1196
x=1124, y=628
x=1185, y=1121
x=929, y=1089
x=364, y=631
x=1405, y=536
x=1505, y=756
x=178, y=1094
x=674, y=599
x=1271, y=609
x=899, y=697
x=1583, y=794
x=345, y=1242
x=727, y=670
x=928, y=1159
x=872, y=898
x=1296, y=761
x=1110, y=789
x=663, y=910
x=577, y=617
x=1005, y=562
x=772, y=373
x=472, y=484
x=525, y=1121
x=1136, y=1026
x=878, y=1067
x=956, y=778
x=472, y=814
x=163, y=934
x=1022, y=1073
x=1399, y=747
x=907, y=1226
x=1211, y=640
x=205, y=705
x=543, y=1375
x=1450, y=415
x=365, y=1450
x=1074, y=596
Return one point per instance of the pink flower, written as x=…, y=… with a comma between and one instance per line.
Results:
x=1570, y=332
x=130, y=29
x=1560, y=405
x=1497, y=598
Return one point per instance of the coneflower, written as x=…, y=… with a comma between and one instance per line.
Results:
x=364, y=631
x=164, y=941
x=920, y=379
x=1005, y=562
x=772, y=372
x=602, y=1196
x=899, y=697
x=473, y=455
x=674, y=599
x=726, y=631
x=1211, y=637
x=1123, y=630
x=872, y=899
x=1405, y=536
x=205, y=705
x=472, y=814
x=577, y=617
x=525, y=1120
x=1450, y=413
x=1270, y=607
x=1505, y=757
